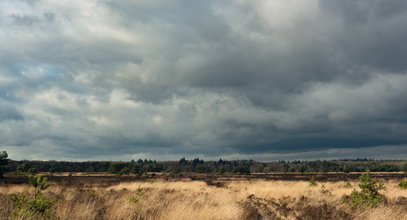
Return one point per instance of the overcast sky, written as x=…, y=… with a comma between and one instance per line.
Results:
x=237, y=79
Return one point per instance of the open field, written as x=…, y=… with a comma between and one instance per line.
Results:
x=105, y=179
x=196, y=196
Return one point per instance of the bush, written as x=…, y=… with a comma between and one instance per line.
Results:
x=33, y=171
x=124, y=171
x=34, y=206
x=3, y=162
x=137, y=196
x=368, y=196
x=313, y=181
x=28, y=207
x=243, y=170
x=403, y=184
x=38, y=182
x=348, y=185
x=22, y=168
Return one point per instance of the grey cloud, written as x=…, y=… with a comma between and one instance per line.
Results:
x=24, y=20
x=9, y=113
x=111, y=79
x=371, y=31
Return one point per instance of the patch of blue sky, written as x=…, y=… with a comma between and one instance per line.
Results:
x=38, y=71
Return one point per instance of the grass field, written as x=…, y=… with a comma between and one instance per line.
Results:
x=183, y=198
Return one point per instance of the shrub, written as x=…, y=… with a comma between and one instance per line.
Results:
x=243, y=170
x=124, y=171
x=403, y=184
x=28, y=207
x=3, y=162
x=51, y=171
x=33, y=171
x=221, y=170
x=34, y=206
x=368, y=196
x=313, y=181
x=137, y=196
x=22, y=168
x=38, y=182
x=348, y=185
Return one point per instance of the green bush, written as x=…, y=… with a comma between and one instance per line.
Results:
x=28, y=207
x=368, y=196
x=403, y=184
x=39, y=183
x=22, y=168
x=243, y=170
x=3, y=162
x=39, y=204
x=138, y=196
x=313, y=181
x=33, y=171
x=124, y=171
x=34, y=206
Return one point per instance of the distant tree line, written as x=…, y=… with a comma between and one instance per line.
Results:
x=197, y=165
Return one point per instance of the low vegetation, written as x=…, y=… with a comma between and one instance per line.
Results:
x=403, y=184
x=189, y=199
x=348, y=185
x=369, y=195
x=197, y=189
x=313, y=182
x=3, y=162
x=137, y=196
x=35, y=205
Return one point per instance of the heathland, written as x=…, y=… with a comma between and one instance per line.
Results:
x=197, y=189
x=202, y=196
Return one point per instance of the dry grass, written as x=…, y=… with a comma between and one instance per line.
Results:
x=196, y=200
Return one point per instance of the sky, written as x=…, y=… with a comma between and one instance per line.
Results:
x=233, y=79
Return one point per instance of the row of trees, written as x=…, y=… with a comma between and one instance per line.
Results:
x=199, y=166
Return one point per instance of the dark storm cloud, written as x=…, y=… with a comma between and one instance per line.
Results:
x=233, y=79
x=371, y=31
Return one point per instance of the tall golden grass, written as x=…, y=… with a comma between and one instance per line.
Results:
x=195, y=200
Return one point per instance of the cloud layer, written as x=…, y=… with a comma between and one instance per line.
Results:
x=235, y=79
